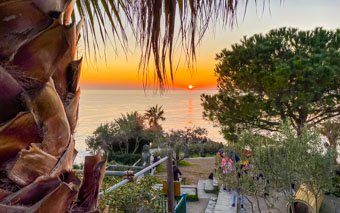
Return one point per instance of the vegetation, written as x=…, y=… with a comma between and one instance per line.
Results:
x=192, y=198
x=132, y=196
x=184, y=163
x=124, y=158
x=154, y=115
x=275, y=163
x=285, y=75
x=208, y=149
x=126, y=134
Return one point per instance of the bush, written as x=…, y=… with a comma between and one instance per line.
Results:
x=161, y=153
x=124, y=158
x=133, y=196
x=336, y=186
x=204, y=149
x=212, y=147
x=185, y=163
x=192, y=197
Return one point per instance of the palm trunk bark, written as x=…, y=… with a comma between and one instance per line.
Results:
x=39, y=101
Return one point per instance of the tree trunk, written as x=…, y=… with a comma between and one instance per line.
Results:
x=170, y=192
x=39, y=99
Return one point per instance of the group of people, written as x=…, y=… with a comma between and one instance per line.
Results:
x=228, y=166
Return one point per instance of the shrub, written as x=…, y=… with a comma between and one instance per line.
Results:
x=204, y=149
x=192, y=197
x=185, y=163
x=162, y=153
x=124, y=158
x=212, y=147
x=132, y=197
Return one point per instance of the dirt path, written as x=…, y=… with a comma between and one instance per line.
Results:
x=200, y=168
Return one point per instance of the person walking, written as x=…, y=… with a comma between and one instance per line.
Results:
x=176, y=171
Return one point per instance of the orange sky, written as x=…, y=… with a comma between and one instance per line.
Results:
x=120, y=70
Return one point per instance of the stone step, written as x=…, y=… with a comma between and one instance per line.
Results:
x=208, y=185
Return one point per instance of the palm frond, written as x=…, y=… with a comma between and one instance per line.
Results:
x=153, y=23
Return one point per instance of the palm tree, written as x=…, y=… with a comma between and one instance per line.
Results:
x=39, y=93
x=130, y=126
x=154, y=114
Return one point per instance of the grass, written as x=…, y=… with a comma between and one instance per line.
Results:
x=206, y=155
x=192, y=198
x=160, y=168
x=185, y=163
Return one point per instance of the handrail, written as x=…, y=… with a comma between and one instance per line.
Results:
x=136, y=175
x=110, y=173
x=124, y=166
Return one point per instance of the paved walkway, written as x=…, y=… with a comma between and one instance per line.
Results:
x=224, y=201
x=202, y=186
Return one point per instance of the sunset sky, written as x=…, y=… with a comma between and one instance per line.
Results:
x=120, y=70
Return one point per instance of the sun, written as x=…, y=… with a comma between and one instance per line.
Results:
x=190, y=86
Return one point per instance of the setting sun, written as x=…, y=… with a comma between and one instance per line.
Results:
x=190, y=86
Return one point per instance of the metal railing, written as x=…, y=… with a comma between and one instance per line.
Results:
x=181, y=206
x=135, y=176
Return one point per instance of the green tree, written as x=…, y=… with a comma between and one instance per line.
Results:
x=126, y=134
x=180, y=139
x=154, y=114
x=331, y=129
x=284, y=75
x=132, y=197
x=283, y=159
x=130, y=126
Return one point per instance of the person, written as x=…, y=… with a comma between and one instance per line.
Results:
x=220, y=153
x=235, y=193
x=176, y=171
x=242, y=169
x=227, y=167
x=155, y=159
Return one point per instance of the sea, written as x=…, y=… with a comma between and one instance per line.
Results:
x=182, y=108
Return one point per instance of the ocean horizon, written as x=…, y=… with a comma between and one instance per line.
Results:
x=182, y=108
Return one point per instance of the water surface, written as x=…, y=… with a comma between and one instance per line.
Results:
x=182, y=109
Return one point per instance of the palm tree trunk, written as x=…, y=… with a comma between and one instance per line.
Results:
x=39, y=98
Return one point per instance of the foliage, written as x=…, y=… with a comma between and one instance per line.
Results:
x=130, y=126
x=160, y=168
x=132, y=196
x=210, y=148
x=336, y=186
x=126, y=134
x=185, y=163
x=284, y=159
x=179, y=140
x=188, y=135
x=192, y=198
x=144, y=18
x=78, y=166
x=331, y=129
x=284, y=75
x=161, y=153
x=154, y=114
x=124, y=158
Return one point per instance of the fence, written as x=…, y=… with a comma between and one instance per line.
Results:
x=181, y=201
x=136, y=175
